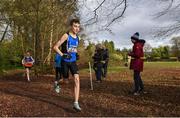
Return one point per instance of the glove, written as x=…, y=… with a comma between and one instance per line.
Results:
x=77, y=56
x=95, y=67
x=103, y=62
x=66, y=56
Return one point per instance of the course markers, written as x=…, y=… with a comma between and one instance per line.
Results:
x=90, y=73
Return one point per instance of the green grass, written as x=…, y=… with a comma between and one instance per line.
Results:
x=114, y=69
x=158, y=65
x=117, y=69
x=162, y=65
x=7, y=68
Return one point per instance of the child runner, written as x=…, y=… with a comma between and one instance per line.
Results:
x=28, y=62
x=69, y=42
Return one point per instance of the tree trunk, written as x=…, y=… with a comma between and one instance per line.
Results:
x=22, y=43
x=50, y=43
x=42, y=45
x=48, y=58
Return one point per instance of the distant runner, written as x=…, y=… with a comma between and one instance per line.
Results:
x=28, y=62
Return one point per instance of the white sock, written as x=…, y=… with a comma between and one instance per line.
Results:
x=56, y=82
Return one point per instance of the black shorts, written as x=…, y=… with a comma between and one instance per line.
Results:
x=72, y=66
x=28, y=67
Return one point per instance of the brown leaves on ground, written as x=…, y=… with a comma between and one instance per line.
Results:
x=109, y=98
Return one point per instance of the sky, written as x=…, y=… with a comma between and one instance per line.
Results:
x=140, y=16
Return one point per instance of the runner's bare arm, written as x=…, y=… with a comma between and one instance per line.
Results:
x=59, y=43
x=22, y=61
x=32, y=60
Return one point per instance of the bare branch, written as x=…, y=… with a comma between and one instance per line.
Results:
x=166, y=10
x=173, y=11
x=111, y=14
x=94, y=19
x=169, y=30
x=122, y=13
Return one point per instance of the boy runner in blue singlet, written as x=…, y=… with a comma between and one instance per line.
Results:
x=69, y=43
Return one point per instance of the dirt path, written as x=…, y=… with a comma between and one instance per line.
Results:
x=37, y=98
x=110, y=98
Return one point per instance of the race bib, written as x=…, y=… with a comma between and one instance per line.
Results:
x=72, y=48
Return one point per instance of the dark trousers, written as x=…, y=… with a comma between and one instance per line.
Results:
x=98, y=71
x=58, y=73
x=104, y=73
x=138, y=83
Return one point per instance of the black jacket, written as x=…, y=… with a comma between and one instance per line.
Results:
x=98, y=56
x=106, y=55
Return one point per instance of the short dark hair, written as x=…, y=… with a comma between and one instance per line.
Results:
x=28, y=51
x=74, y=21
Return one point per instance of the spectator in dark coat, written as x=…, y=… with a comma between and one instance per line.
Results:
x=98, y=62
x=105, y=61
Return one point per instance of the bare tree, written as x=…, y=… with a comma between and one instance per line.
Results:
x=176, y=46
x=147, y=47
x=171, y=11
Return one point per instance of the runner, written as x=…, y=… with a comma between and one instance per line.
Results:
x=69, y=42
x=58, y=70
x=28, y=62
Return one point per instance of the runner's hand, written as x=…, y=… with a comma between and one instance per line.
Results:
x=77, y=56
x=66, y=56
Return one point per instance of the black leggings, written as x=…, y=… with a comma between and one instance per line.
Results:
x=58, y=73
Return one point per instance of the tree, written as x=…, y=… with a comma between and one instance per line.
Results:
x=124, y=52
x=147, y=47
x=176, y=46
x=165, y=52
x=155, y=53
x=161, y=52
x=36, y=24
x=109, y=45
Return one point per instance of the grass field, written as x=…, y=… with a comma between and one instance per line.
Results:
x=109, y=98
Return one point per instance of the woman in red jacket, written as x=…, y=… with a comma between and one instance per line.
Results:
x=136, y=63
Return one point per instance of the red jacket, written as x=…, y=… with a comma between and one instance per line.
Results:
x=137, y=55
